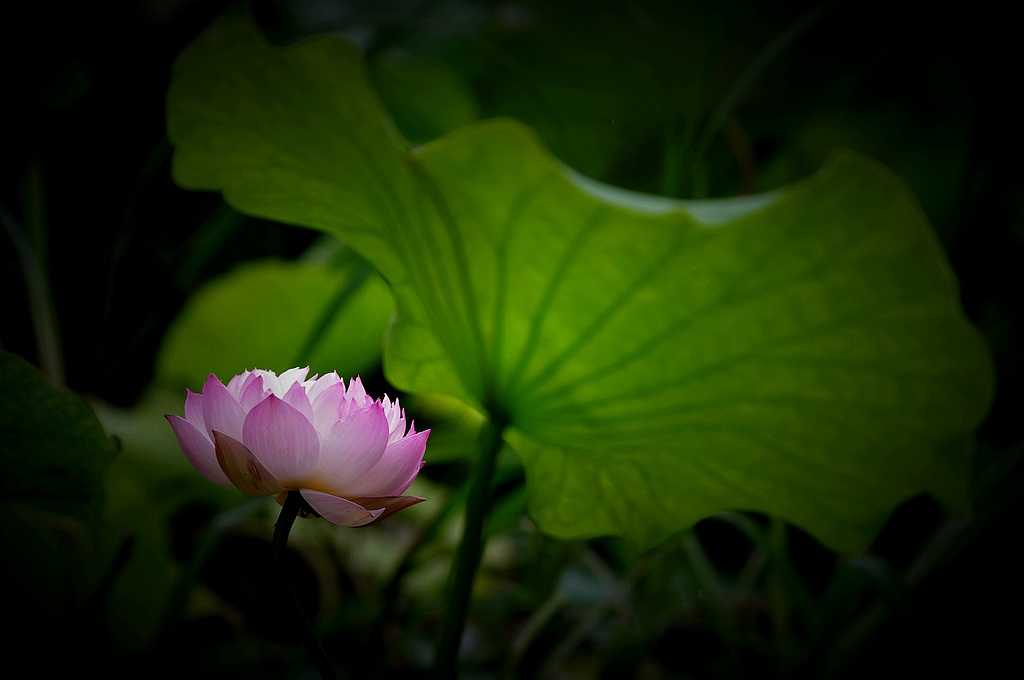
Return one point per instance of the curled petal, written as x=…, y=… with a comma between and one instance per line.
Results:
x=339, y=510
x=352, y=447
x=282, y=439
x=198, y=450
x=395, y=471
x=390, y=504
x=242, y=468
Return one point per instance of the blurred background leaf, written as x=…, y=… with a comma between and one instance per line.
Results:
x=54, y=454
x=53, y=449
x=329, y=316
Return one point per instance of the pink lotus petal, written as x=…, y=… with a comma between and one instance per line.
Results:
x=390, y=504
x=355, y=391
x=321, y=384
x=296, y=396
x=293, y=375
x=271, y=382
x=198, y=450
x=282, y=439
x=268, y=434
x=352, y=447
x=327, y=407
x=407, y=482
x=395, y=471
x=248, y=376
x=339, y=510
x=221, y=411
x=396, y=419
x=194, y=410
x=242, y=468
x=237, y=383
x=253, y=392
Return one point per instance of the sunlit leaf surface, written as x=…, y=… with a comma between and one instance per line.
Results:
x=801, y=353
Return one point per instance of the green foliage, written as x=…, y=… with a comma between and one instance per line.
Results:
x=426, y=98
x=279, y=314
x=803, y=354
x=151, y=489
x=53, y=450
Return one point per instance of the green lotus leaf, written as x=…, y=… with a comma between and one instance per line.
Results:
x=801, y=353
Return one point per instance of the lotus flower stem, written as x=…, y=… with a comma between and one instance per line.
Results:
x=467, y=559
x=283, y=526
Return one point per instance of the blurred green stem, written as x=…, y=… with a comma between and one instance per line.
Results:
x=280, y=548
x=330, y=312
x=201, y=248
x=423, y=538
x=467, y=559
x=780, y=564
x=781, y=607
x=31, y=249
x=186, y=581
x=715, y=596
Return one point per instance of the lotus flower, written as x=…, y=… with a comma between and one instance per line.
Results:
x=349, y=455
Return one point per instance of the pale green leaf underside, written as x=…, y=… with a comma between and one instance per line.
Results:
x=263, y=314
x=801, y=354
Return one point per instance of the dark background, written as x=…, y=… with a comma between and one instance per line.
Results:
x=83, y=153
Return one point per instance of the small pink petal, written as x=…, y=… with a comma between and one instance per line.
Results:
x=339, y=510
x=327, y=406
x=321, y=384
x=355, y=391
x=282, y=439
x=395, y=471
x=396, y=419
x=198, y=450
x=296, y=396
x=194, y=410
x=242, y=468
x=253, y=392
x=293, y=375
x=237, y=383
x=248, y=377
x=221, y=411
x=352, y=447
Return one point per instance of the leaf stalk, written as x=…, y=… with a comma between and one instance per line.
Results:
x=467, y=558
